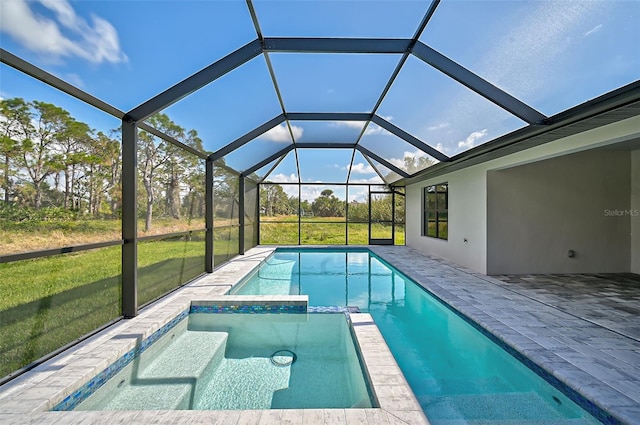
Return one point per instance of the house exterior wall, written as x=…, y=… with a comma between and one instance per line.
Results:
x=467, y=219
x=536, y=213
x=468, y=194
x=635, y=211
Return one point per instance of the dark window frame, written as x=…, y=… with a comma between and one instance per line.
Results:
x=435, y=209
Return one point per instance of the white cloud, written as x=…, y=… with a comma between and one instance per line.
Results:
x=95, y=42
x=471, y=139
x=75, y=80
x=283, y=178
x=438, y=126
x=361, y=168
x=373, y=180
x=351, y=124
x=593, y=30
x=280, y=133
x=399, y=162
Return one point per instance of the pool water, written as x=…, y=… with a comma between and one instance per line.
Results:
x=458, y=374
x=242, y=361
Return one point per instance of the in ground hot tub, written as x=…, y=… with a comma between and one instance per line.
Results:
x=242, y=361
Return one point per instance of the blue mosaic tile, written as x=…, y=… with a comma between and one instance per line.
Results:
x=248, y=309
x=71, y=401
x=333, y=309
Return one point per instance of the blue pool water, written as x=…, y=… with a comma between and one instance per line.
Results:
x=242, y=361
x=458, y=374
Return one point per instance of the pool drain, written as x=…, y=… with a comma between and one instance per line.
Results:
x=283, y=358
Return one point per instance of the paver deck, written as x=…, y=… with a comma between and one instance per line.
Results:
x=595, y=351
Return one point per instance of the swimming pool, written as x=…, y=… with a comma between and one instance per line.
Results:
x=241, y=362
x=457, y=373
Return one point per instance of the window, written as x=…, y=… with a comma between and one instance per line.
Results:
x=435, y=215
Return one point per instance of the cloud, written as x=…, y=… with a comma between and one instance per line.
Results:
x=593, y=30
x=439, y=126
x=63, y=36
x=361, y=168
x=373, y=180
x=280, y=133
x=350, y=124
x=399, y=162
x=75, y=80
x=283, y=178
x=471, y=139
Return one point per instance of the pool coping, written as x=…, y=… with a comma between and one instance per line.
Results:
x=30, y=397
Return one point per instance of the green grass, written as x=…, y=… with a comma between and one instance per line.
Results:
x=48, y=302
x=327, y=233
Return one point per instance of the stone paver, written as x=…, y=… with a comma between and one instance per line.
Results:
x=611, y=300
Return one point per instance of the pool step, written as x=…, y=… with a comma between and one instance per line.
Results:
x=163, y=379
x=189, y=355
x=520, y=406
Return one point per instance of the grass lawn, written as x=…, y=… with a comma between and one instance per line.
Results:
x=48, y=302
x=332, y=231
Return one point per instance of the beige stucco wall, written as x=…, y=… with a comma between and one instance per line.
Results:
x=468, y=194
x=536, y=213
x=635, y=211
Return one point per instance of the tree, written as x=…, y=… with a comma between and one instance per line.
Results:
x=413, y=164
x=274, y=201
x=74, y=140
x=152, y=155
x=37, y=158
x=328, y=205
x=103, y=175
x=15, y=125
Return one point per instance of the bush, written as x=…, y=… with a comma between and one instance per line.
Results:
x=16, y=213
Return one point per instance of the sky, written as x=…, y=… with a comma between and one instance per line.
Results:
x=552, y=55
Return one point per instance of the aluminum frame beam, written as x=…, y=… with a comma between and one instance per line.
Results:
x=273, y=167
x=328, y=116
x=409, y=138
x=382, y=161
x=423, y=24
x=325, y=145
x=241, y=215
x=336, y=45
x=146, y=127
x=477, y=84
x=208, y=218
x=129, y=219
x=53, y=81
x=242, y=140
x=267, y=160
x=196, y=81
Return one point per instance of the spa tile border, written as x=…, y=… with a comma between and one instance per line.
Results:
x=71, y=401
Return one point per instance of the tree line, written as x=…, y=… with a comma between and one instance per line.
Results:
x=58, y=166
x=275, y=202
x=52, y=161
